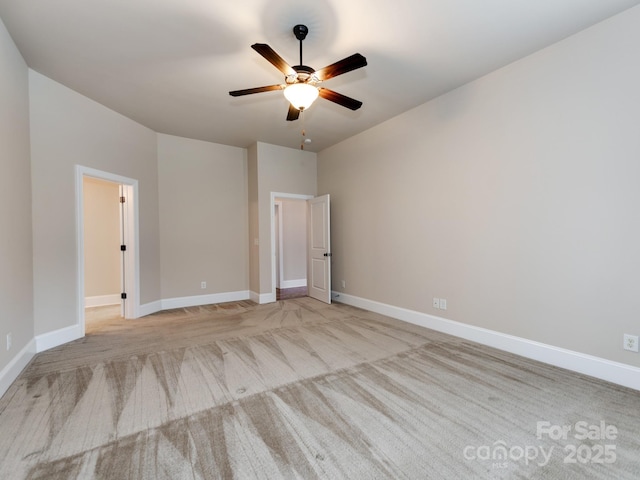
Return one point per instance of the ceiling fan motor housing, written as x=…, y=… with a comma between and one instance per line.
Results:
x=303, y=74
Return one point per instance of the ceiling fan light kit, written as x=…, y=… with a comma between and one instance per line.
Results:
x=301, y=95
x=300, y=87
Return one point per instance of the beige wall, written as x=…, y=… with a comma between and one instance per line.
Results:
x=283, y=170
x=68, y=129
x=102, y=238
x=254, y=224
x=514, y=197
x=16, y=277
x=203, y=217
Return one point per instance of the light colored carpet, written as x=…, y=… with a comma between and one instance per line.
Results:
x=300, y=389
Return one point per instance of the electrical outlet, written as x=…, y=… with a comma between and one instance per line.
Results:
x=203, y=285
x=443, y=304
x=344, y=284
x=630, y=342
x=9, y=341
x=436, y=302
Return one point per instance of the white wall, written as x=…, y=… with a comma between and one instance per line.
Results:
x=16, y=275
x=203, y=217
x=68, y=129
x=514, y=197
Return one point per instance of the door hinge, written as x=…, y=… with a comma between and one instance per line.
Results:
x=123, y=248
x=123, y=296
x=122, y=199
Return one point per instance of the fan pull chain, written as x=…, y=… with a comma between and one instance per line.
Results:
x=303, y=132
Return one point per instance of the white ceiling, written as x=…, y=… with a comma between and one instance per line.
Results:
x=169, y=64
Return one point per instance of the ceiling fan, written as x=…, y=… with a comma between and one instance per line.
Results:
x=300, y=86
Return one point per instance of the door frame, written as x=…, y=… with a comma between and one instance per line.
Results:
x=272, y=206
x=131, y=230
x=278, y=239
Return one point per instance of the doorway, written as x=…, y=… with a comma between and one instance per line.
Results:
x=123, y=233
x=290, y=218
x=103, y=268
x=318, y=245
x=294, y=276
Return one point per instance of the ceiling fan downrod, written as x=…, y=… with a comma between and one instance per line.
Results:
x=300, y=31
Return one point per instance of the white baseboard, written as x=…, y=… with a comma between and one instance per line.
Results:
x=38, y=344
x=192, y=301
x=196, y=300
x=67, y=334
x=56, y=338
x=149, y=308
x=52, y=339
x=615, y=372
x=102, y=300
x=262, y=297
x=301, y=282
x=9, y=373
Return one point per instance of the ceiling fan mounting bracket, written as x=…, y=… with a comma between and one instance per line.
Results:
x=300, y=31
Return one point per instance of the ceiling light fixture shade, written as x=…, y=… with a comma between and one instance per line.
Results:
x=301, y=95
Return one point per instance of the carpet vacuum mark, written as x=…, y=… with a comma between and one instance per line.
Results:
x=299, y=389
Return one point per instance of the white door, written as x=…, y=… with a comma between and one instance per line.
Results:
x=127, y=230
x=319, y=251
x=123, y=247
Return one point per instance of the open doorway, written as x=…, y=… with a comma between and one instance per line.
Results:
x=290, y=217
x=100, y=272
x=289, y=244
x=103, y=262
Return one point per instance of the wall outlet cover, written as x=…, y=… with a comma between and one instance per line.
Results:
x=630, y=342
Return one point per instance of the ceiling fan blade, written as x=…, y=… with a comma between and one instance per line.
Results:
x=249, y=91
x=340, y=99
x=293, y=113
x=345, y=65
x=272, y=57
